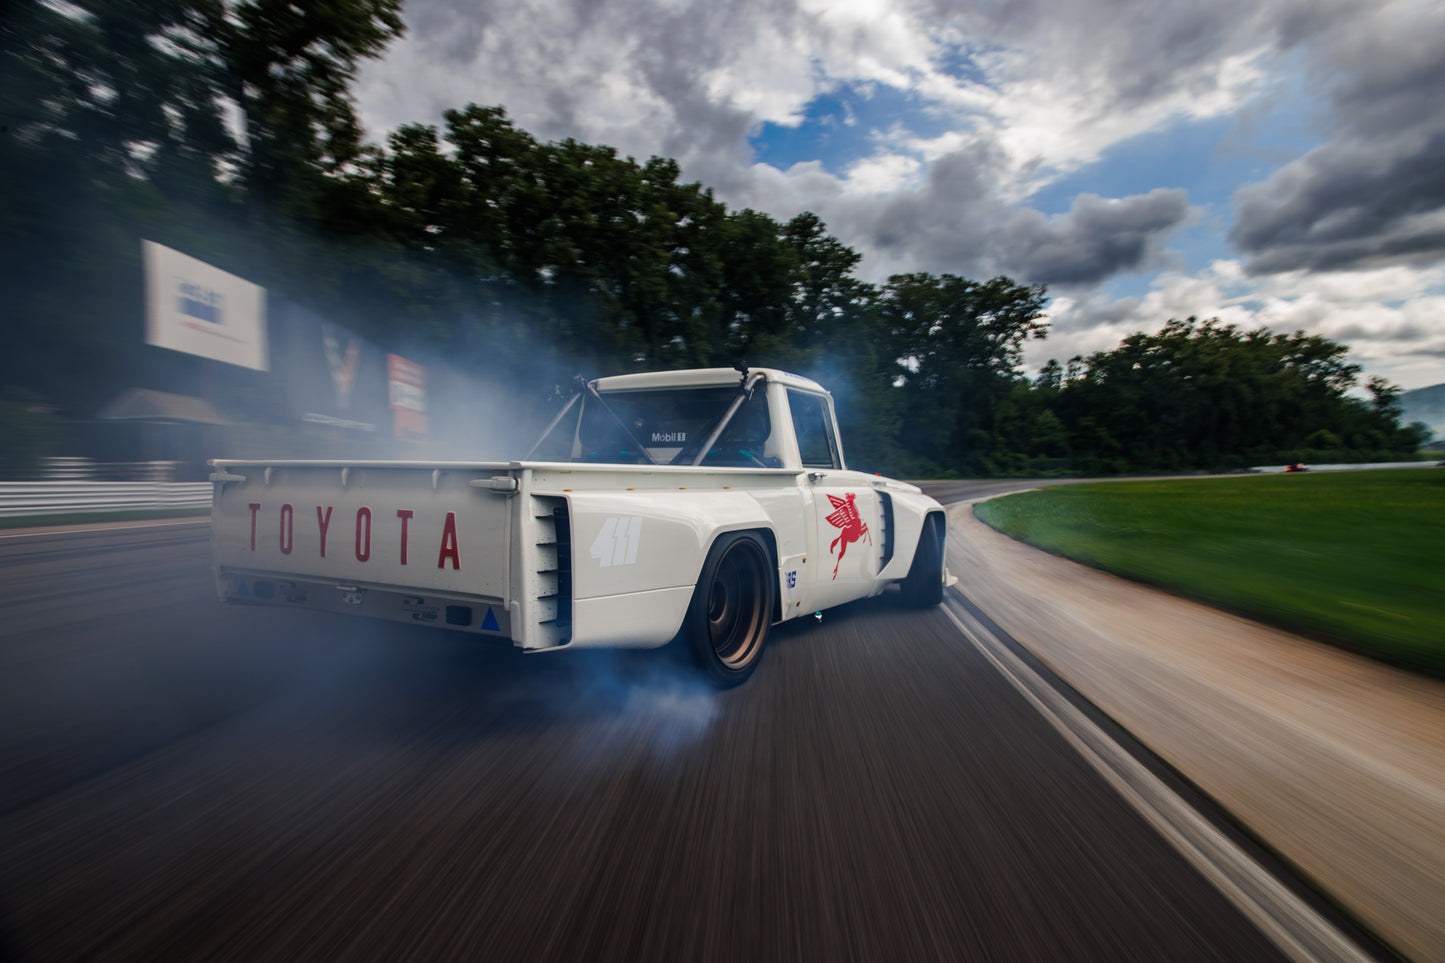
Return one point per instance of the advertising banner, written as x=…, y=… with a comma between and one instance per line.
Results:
x=406, y=389
x=330, y=375
x=199, y=309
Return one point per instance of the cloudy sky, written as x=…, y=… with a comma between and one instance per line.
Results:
x=1272, y=162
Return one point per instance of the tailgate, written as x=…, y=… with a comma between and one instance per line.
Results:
x=430, y=530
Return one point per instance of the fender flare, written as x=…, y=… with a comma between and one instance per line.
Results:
x=642, y=600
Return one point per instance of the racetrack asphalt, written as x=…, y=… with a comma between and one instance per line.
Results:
x=185, y=781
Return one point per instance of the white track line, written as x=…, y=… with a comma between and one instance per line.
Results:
x=1298, y=931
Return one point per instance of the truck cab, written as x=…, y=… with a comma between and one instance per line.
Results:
x=714, y=417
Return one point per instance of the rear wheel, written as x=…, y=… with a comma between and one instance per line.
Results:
x=732, y=608
x=923, y=585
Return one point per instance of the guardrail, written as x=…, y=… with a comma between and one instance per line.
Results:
x=74, y=497
x=69, y=468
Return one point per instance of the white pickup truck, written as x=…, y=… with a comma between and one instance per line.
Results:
x=710, y=503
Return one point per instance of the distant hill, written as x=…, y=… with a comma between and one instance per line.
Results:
x=1427, y=405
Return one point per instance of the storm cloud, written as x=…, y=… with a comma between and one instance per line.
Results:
x=1099, y=237
x=1374, y=193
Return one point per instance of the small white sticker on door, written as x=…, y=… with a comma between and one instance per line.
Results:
x=617, y=543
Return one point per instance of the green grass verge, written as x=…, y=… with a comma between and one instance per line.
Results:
x=1354, y=558
x=85, y=518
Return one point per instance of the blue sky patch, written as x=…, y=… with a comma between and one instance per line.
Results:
x=1180, y=156
x=958, y=62
x=842, y=126
x=1209, y=158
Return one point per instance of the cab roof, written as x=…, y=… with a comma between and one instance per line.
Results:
x=702, y=378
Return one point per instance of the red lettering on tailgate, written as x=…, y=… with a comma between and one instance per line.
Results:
x=405, y=515
x=449, y=544
x=323, y=523
x=288, y=528
x=363, y=540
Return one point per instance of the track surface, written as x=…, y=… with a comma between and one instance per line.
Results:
x=183, y=780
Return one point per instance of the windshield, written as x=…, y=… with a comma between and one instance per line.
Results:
x=669, y=424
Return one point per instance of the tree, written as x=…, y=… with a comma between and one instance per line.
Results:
x=959, y=345
x=287, y=69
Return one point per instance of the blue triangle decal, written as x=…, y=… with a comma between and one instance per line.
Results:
x=241, y=587
x=489, y=624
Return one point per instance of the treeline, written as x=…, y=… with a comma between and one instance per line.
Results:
x=1200, y=395
x=227, y=131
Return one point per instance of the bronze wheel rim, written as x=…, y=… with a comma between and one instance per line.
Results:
x=735, y=604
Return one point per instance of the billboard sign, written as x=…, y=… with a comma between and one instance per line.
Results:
x=330, y=376
x=406, y=390
x=199, y=309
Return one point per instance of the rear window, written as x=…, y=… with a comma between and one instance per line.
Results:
x=669, y=424
x=665, y=422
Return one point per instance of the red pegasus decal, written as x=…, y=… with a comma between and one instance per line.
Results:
x=852, y=527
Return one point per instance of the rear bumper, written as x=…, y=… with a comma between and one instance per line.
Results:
x=475, y=614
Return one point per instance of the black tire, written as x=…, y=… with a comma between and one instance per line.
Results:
x=923, y=586
x=732, y=608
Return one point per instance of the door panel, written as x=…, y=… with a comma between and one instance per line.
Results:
x=849, y=529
